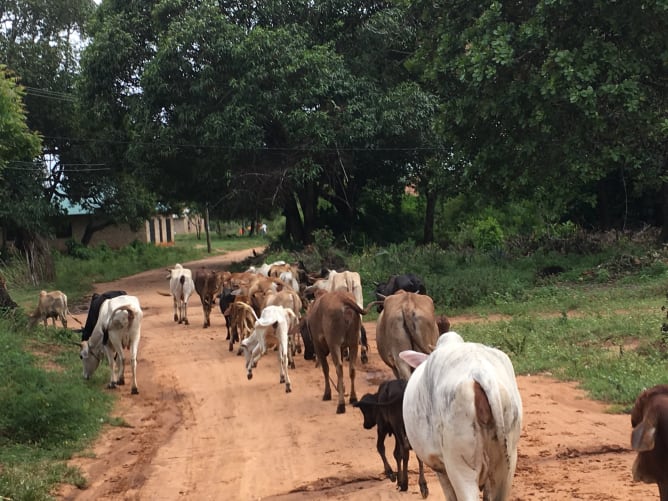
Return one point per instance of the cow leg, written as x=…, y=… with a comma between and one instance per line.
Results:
x=401, y=457
x=176, y=310
x=227, y=324
x=185, y=313
x=340, y=388
x=663, y=491
x=325, y=370
x=352, y=372
x=365, y=345
x=283, y=361
x=424, y=490
x=380, y=447
x=133, y=362
x=112, y=367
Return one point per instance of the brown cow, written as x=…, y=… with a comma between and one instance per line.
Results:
x=649, y=419
x=407, y=322
x=208, y=284
x=332, y=323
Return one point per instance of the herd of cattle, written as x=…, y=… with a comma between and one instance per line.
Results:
x=455, y=403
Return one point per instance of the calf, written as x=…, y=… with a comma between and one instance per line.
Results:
x=118, y=326
x=463, y=417
x=384, y=410
x=649, y=419
x=50, y=305
x=281, y=320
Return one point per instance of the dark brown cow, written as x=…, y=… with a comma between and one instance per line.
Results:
x=407, y=322
x=333, y=322
x=649, y=419
x=208, y=284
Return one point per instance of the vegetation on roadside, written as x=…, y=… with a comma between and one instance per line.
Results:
x=593, y=317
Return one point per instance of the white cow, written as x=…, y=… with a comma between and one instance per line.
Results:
x=118, y=326
x=278, y=321
x=181, y=286
x=463, y=417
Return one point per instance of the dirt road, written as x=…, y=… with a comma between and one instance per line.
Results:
x=199, y=430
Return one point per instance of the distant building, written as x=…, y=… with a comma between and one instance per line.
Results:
x=158, y=230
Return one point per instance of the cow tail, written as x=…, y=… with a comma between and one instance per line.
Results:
x=496, y=398
x=131, y=317
x=410, y=326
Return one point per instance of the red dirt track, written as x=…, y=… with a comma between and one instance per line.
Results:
x=199, y=430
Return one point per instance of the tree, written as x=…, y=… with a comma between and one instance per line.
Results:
x=243, y=110
x=23, y=206
x=549, y=99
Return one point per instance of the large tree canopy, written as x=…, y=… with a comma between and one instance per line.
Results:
x=242, y=110
x=556, y=100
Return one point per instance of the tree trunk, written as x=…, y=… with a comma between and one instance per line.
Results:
x=429, y=216
x=294, y=228
x=206, y=229
x=309, y=202
x=6, y=302
x=663, y=238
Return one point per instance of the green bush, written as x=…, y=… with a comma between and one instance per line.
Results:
x=487, y=234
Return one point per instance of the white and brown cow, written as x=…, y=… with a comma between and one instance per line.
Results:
x=274, y=321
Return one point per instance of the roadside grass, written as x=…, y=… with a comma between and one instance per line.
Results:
x=598, y=322
x=48, y=413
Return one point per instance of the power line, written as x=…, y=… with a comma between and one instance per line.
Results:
x=312, y=149
x=49, y=94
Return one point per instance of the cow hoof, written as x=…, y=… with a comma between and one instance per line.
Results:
x=353, y=400
x=111, y=386
x=232, y=348
x=186, y=322
x=364, y=358
x=176, y=319
x=292, y=365
x=134, y=391
x=424, y=490
x=288, y=389
x=250, y=375
x=390, y=474
x=326, y=397
x=341, y=409
x=282, y=380
x=120, y=382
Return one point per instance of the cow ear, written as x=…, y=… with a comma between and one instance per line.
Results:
x=642, y=437
x=413, y=358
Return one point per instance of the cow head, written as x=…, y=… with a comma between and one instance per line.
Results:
x=90, y=357
x=369, y=407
